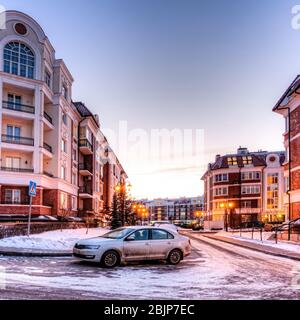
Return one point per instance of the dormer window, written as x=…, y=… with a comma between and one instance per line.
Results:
x=232, y=161
x=18, y=60
x=247, y=160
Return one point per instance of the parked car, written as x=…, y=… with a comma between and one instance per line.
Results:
x=13, y=218
x=44, y=219
x=69, y=219
x=134, y=244
x=269, y=227
x=197, y=227
x=165, y=224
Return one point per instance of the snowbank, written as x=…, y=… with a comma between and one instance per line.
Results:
x=53, y=240
x=247, y=237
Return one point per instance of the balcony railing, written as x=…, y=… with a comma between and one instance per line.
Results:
x=17, y=170
x=46, y=116
x=86, y=190
x=16, y=203
x=47, y=147
x=85, y=143
x=17, y=140
x=50, y=175
x=85, y=166
x=18, y=107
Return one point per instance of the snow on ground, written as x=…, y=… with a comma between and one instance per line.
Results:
x=247, y=236
x=52, y=240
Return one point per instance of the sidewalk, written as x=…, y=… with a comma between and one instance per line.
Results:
x=261, y=247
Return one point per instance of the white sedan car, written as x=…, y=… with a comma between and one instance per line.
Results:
x=134, y=244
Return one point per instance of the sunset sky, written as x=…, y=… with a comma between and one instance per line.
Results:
x=216, y=66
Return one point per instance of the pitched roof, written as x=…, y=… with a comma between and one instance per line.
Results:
x=85, y=112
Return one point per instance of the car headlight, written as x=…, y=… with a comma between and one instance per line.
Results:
x=87, y=247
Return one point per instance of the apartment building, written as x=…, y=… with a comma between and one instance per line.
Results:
x=289, y=107
x=45, y=136
x=175, y=210
x=244, y=187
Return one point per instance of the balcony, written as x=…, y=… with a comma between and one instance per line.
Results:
x=85, y=147
x=50, y=175
x=86, y=192
x=85, y=169
x=18, y=107
x=17, y=140
x=17, y=170
x=48, y=118
x=47, y=147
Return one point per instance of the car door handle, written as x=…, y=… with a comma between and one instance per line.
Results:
x=147, y=244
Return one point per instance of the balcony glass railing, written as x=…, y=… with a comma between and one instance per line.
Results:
x=86, y=190
x=47, y=117
x=85, y=143
x=18, y=107
x=17, y=140
x=47, y=147
x=85, y=166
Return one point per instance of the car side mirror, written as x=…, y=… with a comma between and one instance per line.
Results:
x=129, y=239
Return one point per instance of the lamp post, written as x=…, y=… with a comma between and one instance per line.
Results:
x=226, y=205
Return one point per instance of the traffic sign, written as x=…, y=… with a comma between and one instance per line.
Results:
x=32, y=189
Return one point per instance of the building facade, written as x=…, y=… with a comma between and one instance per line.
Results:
x=175, y=210
x=45, y=136
x=244, y=187
x=289, y=107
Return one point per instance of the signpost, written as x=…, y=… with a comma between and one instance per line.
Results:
x=31, y=193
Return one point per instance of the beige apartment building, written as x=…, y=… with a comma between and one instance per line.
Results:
x=45, y=136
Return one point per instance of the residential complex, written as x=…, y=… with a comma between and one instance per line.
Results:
x=244, y=187
x=45, y=136
x=175, y=210
x=289, y=107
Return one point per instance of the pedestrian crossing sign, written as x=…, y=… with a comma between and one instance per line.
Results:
x=32, y=189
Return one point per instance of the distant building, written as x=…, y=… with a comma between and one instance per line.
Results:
x=244, y=187
x=175, y=210
x=289, y=107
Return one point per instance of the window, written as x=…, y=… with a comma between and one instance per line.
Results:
x=19, y=60
x=74, y=178
x=74, y=203
x=246, y=205
x=12, y=196
x=221, y=192
x=63, y=201
x=63, y=172
x=141, y=235
x=48, y=78
x=247, y=160
x=286, y=184
x=161, y=235
x=272, y=191
x=221, y=177
x=13, y=163
x=74, y=155
x=64, y=145
x=14, y=102
x=13, y=133
x=251, y=175
x=251, y=190
x=65, y=91
x=232, y=161
x=64, y=118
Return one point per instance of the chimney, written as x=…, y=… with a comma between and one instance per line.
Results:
x=218, y=156
x=242, y=151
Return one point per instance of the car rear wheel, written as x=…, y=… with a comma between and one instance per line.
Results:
x=110, y=259
x=175, y=257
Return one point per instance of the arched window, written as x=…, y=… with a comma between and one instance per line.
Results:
x=19, y=60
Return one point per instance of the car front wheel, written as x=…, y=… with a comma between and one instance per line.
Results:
x=175, y=257
x=110, y=259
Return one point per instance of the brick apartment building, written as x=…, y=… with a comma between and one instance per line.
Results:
x=289, y=107
x=175, y=210
x=45, y=136
x=244, y=187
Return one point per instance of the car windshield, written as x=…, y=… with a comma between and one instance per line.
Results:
x=117, y=234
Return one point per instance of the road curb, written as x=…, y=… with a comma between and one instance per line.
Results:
x=9, y=252
x=290, y=255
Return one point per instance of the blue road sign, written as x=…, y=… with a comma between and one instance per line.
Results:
x=32, y=189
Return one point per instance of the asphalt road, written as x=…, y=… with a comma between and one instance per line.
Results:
x=214, y=271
